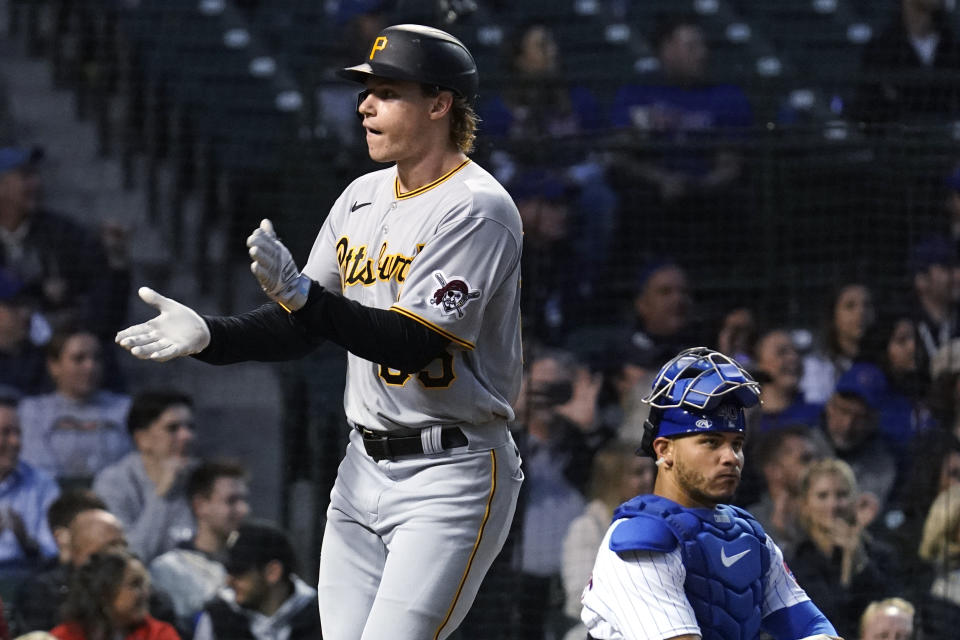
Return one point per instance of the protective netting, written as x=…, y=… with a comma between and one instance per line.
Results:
x=728, y=173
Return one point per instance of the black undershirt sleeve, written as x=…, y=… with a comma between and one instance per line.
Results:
x=266, y=334
x=378, y=335
x=270, y=334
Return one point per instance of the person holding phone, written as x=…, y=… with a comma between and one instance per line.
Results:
x=838, y=563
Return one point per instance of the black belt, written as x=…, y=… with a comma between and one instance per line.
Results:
x=383, y=446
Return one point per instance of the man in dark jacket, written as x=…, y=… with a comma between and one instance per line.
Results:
x=266, y=599
x=77, y=272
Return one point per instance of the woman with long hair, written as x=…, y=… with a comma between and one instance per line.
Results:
x=848, y=315
x=940, y=549
x=840, y=566
x=891, y=344
x=108, y=600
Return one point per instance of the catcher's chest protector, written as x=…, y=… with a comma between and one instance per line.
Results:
x=724, y=554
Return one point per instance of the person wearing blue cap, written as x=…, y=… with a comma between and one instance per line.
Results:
x=682, y=563
x=850, y=420
x=75, y=272
x=662, y=307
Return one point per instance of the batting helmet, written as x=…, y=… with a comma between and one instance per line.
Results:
x=698, y=390
x=419, y=54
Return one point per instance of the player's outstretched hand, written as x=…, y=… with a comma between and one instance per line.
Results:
x=275, y=269
x=177, y=331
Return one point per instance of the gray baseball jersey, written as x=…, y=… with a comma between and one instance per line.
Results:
x=448, y=256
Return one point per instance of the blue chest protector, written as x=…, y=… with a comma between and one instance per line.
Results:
x=724, y=554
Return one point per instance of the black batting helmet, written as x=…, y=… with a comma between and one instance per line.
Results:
x=417, y=53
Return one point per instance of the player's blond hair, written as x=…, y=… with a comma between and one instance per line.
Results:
x=463, y=124
x=463, y=119
x=939, y=540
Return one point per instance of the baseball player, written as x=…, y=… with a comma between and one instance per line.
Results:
x=416, y=272
x=679, y=563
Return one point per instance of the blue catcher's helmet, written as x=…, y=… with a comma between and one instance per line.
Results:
x=698, y=390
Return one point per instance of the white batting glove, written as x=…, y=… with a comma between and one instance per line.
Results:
x=177, y=331
x=822, y=636
x=275, y=269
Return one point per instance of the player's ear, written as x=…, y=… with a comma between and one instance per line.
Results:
x=663, y=450
x=442, y=104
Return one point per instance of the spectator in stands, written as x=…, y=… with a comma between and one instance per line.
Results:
x=891, y=345
x=553, y=282
x=335, y=100
x=778, y=368
x=840, y=566
x=537, y=105
x=887, y=619
x=268, y=600
x=850, y=426
x=930, y=217
x=22, y=368
x=40, y=598
x=77, y=430
x=193, y=572
x=848, y=315
x=146, y=488
x=945, y=386
x=76, y=272
x=109, y=600
x=936, y=286
x=940, y=548
x=685, y=129
x=26, y=543
x=900, y=79
x=934, y=466
x=62, y=512
x=617, y=475
x=557, y=437
x=783, y=455
x=949, y=223
x=537, y=102
x=738, y=334
x=627, y=373
x=91, y=531
x=662, y=307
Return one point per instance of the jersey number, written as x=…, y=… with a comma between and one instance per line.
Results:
x=399, y=378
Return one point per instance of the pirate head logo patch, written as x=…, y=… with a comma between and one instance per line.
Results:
x=453, y=295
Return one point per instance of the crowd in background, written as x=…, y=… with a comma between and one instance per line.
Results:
x=853, y=457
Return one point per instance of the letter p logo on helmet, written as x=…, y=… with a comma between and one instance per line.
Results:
x=378, y=45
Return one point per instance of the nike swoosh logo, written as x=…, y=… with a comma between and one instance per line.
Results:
x=359, y=206
x=729, y=561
